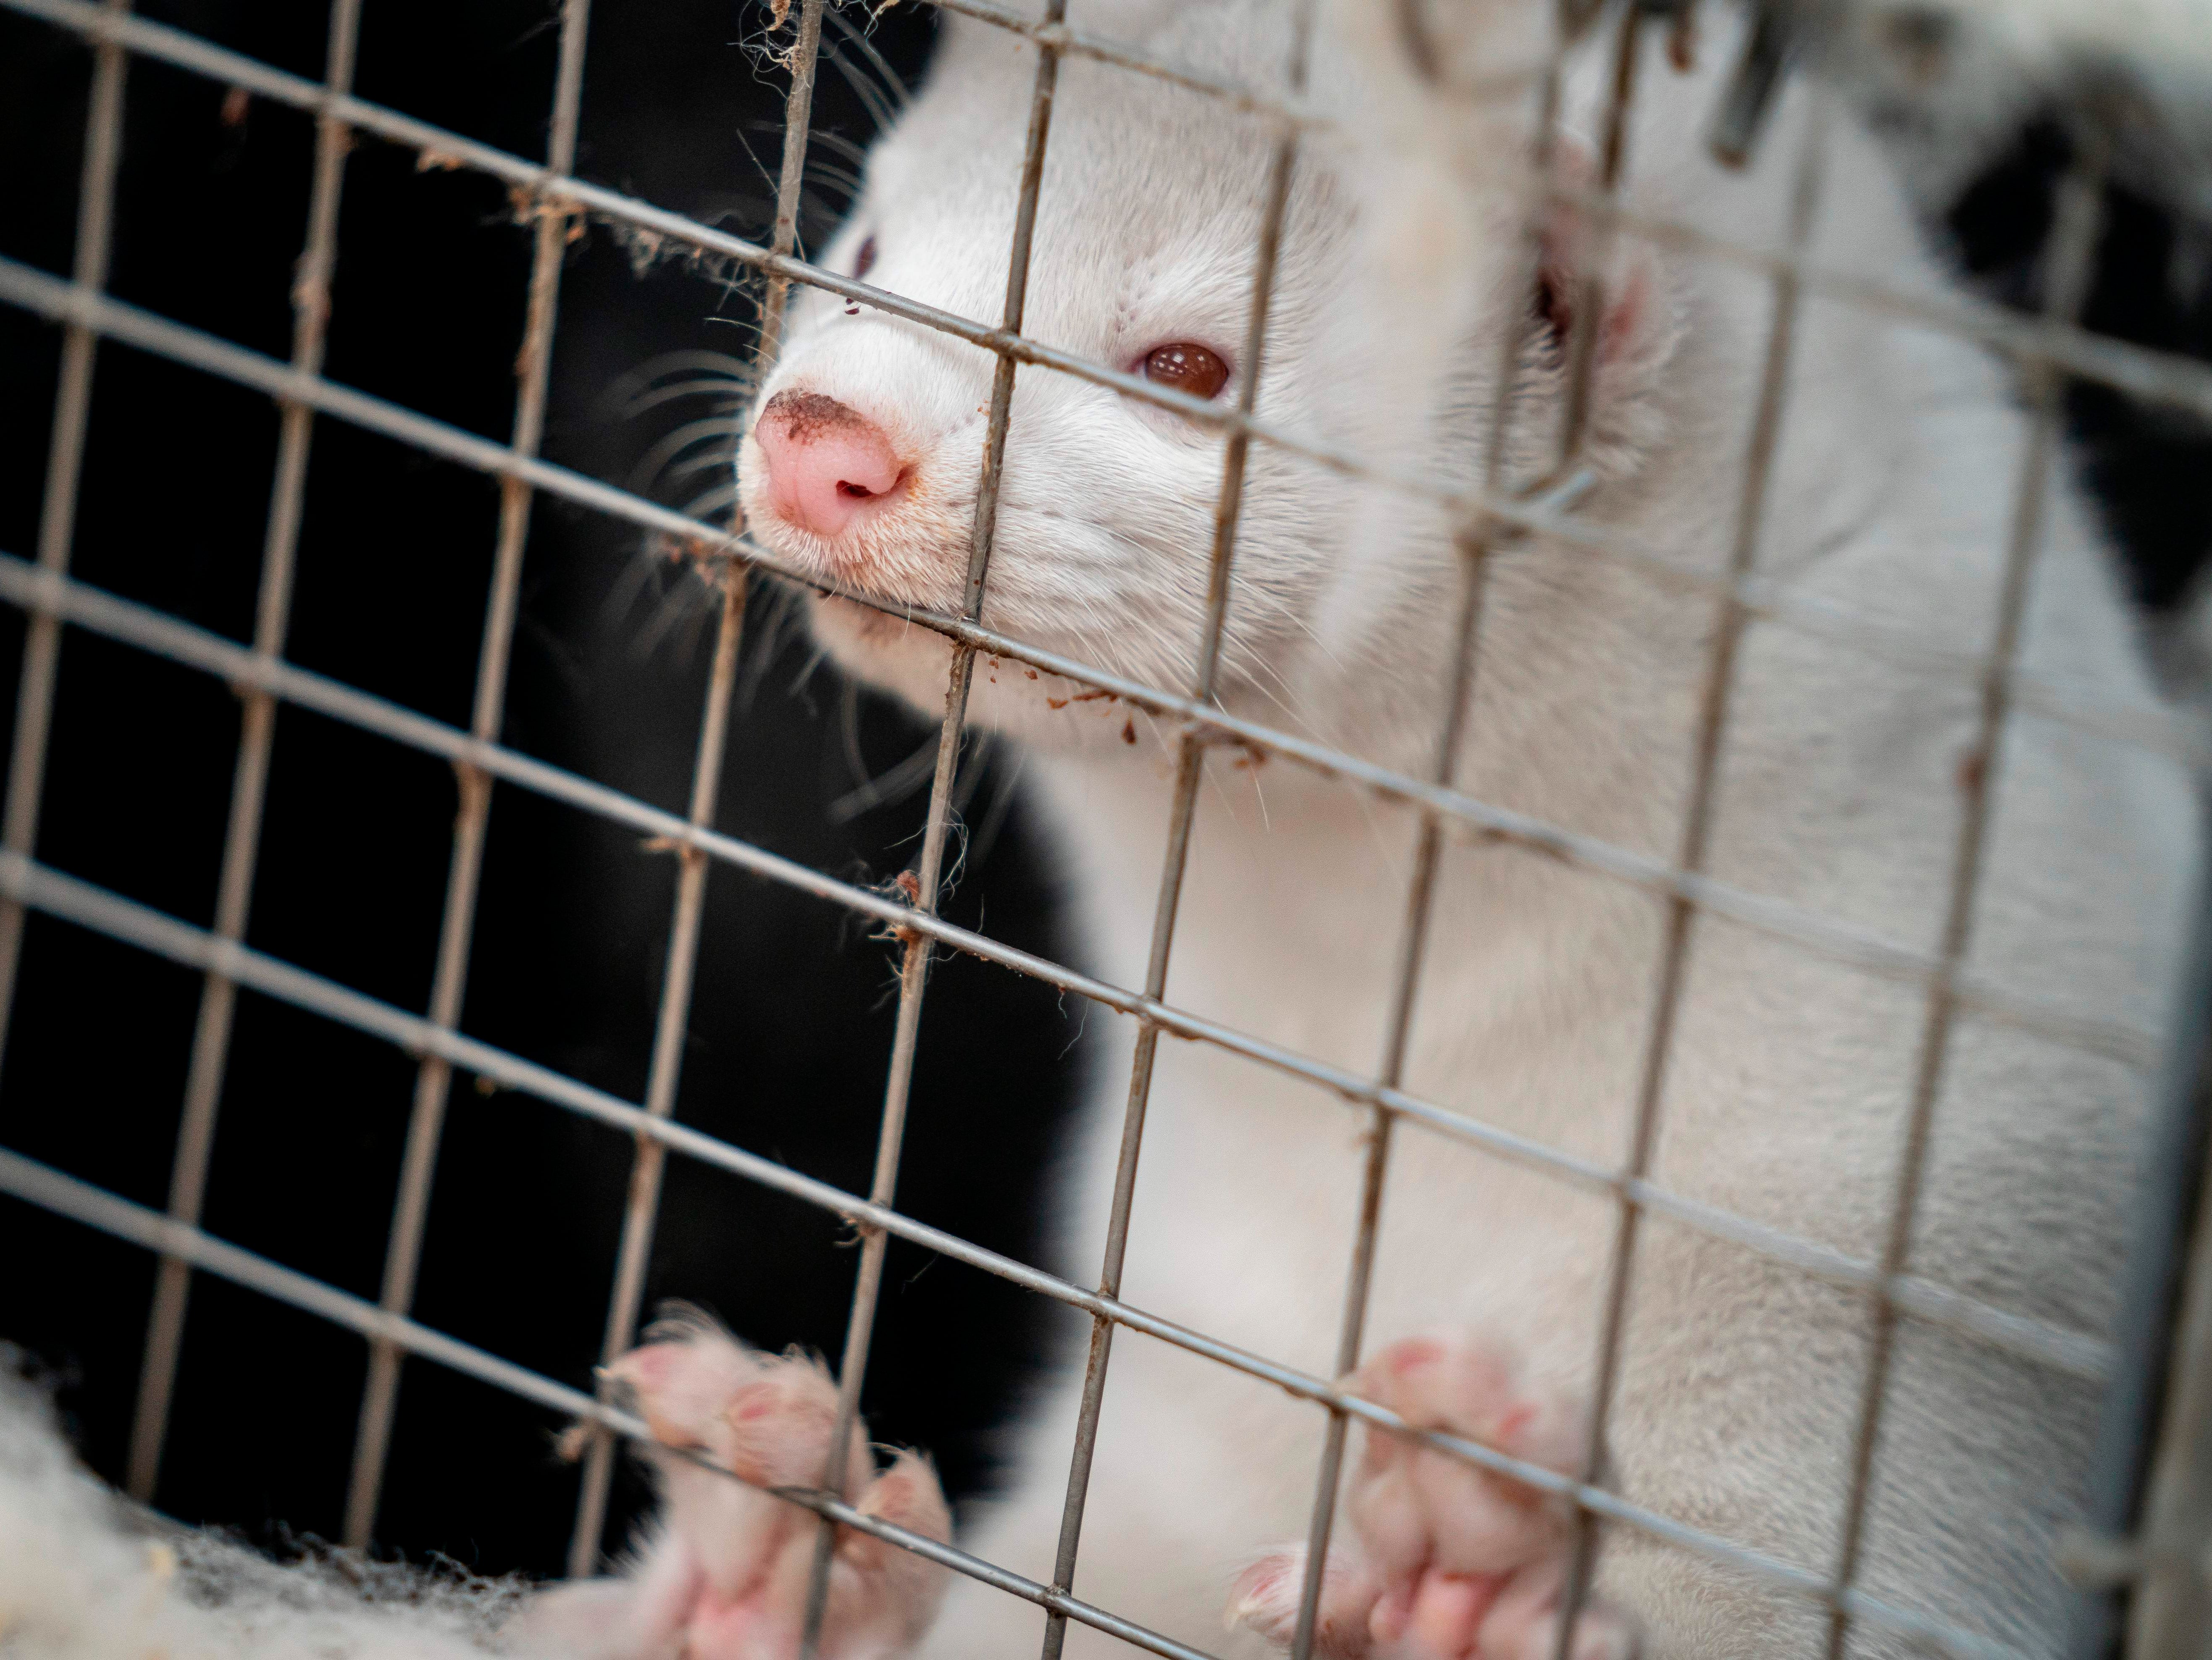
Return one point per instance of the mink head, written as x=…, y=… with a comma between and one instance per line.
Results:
x=865, y=447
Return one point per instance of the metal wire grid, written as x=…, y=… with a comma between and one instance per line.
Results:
x=2050, y=348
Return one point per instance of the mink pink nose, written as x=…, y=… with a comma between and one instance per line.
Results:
x=827, y=463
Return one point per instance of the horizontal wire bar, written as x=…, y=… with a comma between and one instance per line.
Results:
x=1761, y=599
x=65, y=1195
x=41, y=1184
x=444, y=149
x=1845, y=943
x=139, y=625
x=2143, y=371
x=1075, y=43
x=52, y=297
x=97, y=1208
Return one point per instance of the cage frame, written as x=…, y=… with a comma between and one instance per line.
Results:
x=2050, y=348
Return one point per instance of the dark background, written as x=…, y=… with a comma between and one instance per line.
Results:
x=2147, y=469
x=791, y=1023
x=790, y=1026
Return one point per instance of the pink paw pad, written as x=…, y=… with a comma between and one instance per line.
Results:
x=1266, y=1598
x=1445, y=1560
x=727, y=1577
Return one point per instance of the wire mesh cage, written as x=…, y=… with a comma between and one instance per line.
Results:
x=2122, y=1538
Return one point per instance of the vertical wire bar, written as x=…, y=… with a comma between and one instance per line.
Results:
x=42, y=642
x=2074, y=233
x=1190, y=761
x=1585, y=325
x=641, y=1214
x=1411, y=953
x=311, y=306
x=1474, y=543
x=2170, y=1602
x=914, y=971
x=426, y=1122
x=797, y=123
x=2172, y=1171
x=1714, y=699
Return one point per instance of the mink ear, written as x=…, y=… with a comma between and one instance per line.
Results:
x=1581, y=260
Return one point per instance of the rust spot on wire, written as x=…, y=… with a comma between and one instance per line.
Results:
x=907, y=887
x=1973, y=767
x=1682, y=42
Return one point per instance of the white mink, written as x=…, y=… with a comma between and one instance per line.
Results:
x=1839, y=792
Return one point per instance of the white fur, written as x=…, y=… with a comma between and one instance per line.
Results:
x=85, y=1577
x=1785, y=1095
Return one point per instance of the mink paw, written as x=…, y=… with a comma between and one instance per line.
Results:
x=726, y=1576
x=1446, y=1561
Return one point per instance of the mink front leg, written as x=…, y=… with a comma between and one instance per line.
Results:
x=724, y=1575
x=1447, y=1561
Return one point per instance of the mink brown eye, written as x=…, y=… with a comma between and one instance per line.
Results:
x=865, y=260
x=1186, y=368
